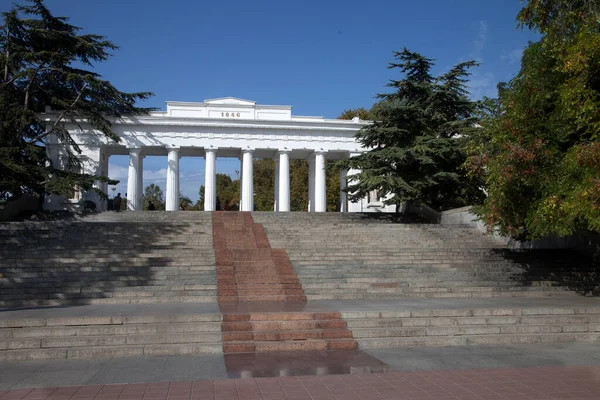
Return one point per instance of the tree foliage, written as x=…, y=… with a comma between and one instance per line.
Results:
x=539, y=146
x=361, y=113
x=416, y=143
x=45, y=61
x=154, y=194
x=186, y=203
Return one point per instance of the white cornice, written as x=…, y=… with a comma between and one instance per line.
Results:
x=149, y=120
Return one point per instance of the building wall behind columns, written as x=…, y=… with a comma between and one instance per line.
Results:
x=94, y=161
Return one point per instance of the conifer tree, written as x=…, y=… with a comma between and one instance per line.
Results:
x=416, y=141
x=46, y=62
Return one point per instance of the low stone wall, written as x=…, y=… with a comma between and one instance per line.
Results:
x=585, y=242
x=21, y=205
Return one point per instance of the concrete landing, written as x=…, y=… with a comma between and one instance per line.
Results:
x=143, y=369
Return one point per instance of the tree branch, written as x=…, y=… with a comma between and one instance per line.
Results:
x=62, y=115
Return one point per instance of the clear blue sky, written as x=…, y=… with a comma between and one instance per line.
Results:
x=320, y=57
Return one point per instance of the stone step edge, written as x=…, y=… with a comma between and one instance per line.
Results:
x=423, y=329
x=111, y=351
x=252, y=326
x=332, y=333
x=114, y=320
x=277, y=315
x=477, y=339
x=243, y=347
x=61, y=331
x=75, y=341
x=12, y=304
x=474, y=312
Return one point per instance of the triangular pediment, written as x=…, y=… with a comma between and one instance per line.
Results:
x=231, y=101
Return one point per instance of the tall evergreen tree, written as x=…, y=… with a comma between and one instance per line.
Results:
x=416, y=147
x=44, y=62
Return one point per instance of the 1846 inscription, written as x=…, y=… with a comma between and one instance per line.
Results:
x=230, y=115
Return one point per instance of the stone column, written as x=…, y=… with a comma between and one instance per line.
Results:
x=133, y=195
x=284, y=181
x=343, y=194
x=276, y=184
x=210, y=180
x=247, y=181
x=241, y=184
x=354, y=206
x=311, y=184
x=320, y=189
x=172, y=200
x=140, y=182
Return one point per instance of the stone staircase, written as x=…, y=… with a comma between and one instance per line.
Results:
x=477, y=324
x=257, y=332
x=355, y=258
x=109, y=258
x=248, y=269
x=148, y=284
x=138, y=331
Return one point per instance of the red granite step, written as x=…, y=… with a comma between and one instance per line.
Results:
x=285, y=331
x=250, y=271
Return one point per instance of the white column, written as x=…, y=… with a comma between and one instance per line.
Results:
x=241, y=184
x=343, y=194
x=135, y=164
x=172, y=200
x=311, y=184
x=247, y=181
x=320, y=191
x=210, y=180
x=140, y=182
x=284, y=181
x=353, y=206
x=276, y=184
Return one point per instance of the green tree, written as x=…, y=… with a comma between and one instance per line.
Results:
x=44, y=62
x=185, y=203
x=361, y=113
x=153, y=193
x=539, y=146
x=228, y=193
x=264, y=184
x=298, y=185
x=416, y=145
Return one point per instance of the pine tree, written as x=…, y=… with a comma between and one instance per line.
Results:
x=415, y=145
x=43, y=61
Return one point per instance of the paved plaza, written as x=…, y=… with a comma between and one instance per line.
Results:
x=575, y=383
x=431, y=370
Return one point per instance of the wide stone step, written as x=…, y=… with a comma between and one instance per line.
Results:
x=442, y=295
x=108, y=330
x=111, y=351
x=109, y=340
x=477, y=340
x=296, y=334
x=566, y=322
x=359, y=333
x=289, y=345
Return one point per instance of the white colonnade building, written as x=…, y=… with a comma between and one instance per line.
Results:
x=224, y=127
